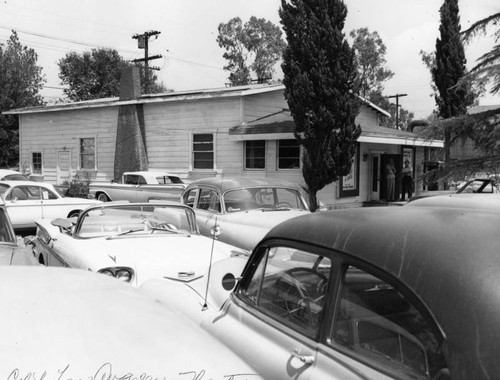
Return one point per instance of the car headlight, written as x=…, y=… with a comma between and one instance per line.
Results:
x=123, y=274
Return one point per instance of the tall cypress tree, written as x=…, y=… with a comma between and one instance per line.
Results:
x=319, y=72
x=451, y=99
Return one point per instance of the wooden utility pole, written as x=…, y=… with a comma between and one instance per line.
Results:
x=397, y=96
x=143, y=43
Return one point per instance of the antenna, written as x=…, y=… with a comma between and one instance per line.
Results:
x=214, y=231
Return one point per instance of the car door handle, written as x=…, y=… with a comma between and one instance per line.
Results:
x=306, y=359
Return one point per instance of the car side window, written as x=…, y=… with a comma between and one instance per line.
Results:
x=290, y=286
x=19, y=192
x=189, y=197
x=141, y=180
x=209, y=200
x=376, y=321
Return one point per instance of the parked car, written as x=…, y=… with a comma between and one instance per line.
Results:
x=27, y=201
x=67, y=324
x=12, y=175
x=244, y=209
x=141, y=186
x=131, y=241
x=13, y=250
x=477, y=185
x=368, y=293
x=460, y=201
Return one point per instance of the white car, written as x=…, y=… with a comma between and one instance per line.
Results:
x=27, y=201
x=12, y=175
x=133, y=242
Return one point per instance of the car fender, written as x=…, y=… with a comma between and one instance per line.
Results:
x=221, y=278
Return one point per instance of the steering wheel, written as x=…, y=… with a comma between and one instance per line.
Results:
x=300, y=300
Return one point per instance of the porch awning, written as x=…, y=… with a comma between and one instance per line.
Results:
x=280, y=125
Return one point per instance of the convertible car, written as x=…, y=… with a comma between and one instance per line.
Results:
x=243, y=209
x=368, y=293
x=130, y=241
x=59, y=324
x=27, y=201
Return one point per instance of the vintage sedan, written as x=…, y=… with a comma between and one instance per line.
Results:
x=131, y=241
x=368, y=293
x=244, y=209
x=27, y=201
x=12, y=175
x=59, y=324
x=472, y=186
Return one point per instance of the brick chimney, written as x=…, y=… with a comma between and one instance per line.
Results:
x=130, y=151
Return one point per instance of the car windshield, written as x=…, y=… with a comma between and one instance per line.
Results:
x=478, y=186
x=136, y=219
x=272, y=198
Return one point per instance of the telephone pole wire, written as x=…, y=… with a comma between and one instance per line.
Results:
x=143, y=43
x=397, y=96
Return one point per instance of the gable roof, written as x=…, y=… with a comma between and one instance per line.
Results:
x=224, y=92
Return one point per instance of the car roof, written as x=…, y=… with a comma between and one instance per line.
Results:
x=229, y=183
x=151, y=173
x=8, y=171
x=28, y=183
x=479, y=201
x=448, y=256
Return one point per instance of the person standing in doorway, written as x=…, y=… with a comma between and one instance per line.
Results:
x=390, y=176
x=407, y=180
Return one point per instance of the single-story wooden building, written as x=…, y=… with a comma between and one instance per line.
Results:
x=233, y=131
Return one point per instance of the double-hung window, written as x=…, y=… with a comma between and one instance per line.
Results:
x=203, y=151
x=288, y=154
x=87, y=153
x=255, y=154
x=36, y=161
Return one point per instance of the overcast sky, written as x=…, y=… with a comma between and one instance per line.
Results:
x=193, y=60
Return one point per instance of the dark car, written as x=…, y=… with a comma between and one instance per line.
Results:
x=368, y=293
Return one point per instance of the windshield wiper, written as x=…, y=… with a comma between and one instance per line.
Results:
x=124, y=233
x=169, y=229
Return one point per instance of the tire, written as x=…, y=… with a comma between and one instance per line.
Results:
x=103, y=197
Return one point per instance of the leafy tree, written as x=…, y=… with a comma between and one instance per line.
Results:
x=450, y=59
x=96, y=74
x=372, y=73
x=370, y=59
x=488, y=66
x=254, y=47
x=319, y=73
x=20, y=82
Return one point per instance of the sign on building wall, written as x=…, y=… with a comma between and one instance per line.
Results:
x=349, y=184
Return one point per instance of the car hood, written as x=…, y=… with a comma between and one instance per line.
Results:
x=180, y=256
x=67, y=324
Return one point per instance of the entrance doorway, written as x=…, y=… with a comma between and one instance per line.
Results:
x=63, y=166
x=384, y=159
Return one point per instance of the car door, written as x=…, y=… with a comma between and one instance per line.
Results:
x=53, y=205
x=278, y=313
x=24, y=205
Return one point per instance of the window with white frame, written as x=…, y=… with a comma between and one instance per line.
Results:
x=87, y=153
x=255, y=154
x=203, y=151
x=36, y=162
x=288, y=154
